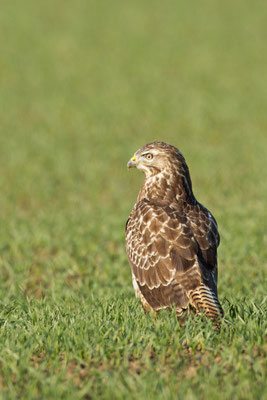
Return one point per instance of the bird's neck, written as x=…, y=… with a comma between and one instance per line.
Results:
x=167, y=188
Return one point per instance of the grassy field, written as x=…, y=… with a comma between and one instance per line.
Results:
x=83, y=85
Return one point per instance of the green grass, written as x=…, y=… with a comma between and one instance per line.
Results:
x=83, y=85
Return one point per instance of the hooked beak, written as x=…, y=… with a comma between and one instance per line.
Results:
x=132, y=162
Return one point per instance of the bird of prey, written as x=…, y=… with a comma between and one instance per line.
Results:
x=171, y=239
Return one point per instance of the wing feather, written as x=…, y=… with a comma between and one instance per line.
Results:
x=166, y=246
x=204, y=227
x=173, y=258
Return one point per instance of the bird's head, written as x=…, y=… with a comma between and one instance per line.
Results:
x=156, y=157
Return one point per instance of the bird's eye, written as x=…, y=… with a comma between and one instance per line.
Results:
x=149, y=156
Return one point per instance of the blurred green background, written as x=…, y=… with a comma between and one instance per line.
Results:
x=84, y=84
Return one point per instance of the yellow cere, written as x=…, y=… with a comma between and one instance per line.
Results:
x=133, y=158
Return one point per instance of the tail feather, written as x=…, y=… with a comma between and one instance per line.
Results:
x=205, y=300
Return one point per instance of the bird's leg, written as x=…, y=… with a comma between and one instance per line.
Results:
x=182, y=315
x=155, y=317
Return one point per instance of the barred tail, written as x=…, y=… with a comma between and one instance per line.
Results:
x=205, y=300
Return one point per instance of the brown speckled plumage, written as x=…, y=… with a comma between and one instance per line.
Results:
x=171, y=239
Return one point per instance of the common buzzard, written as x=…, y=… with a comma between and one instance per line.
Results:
x=171, y=239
